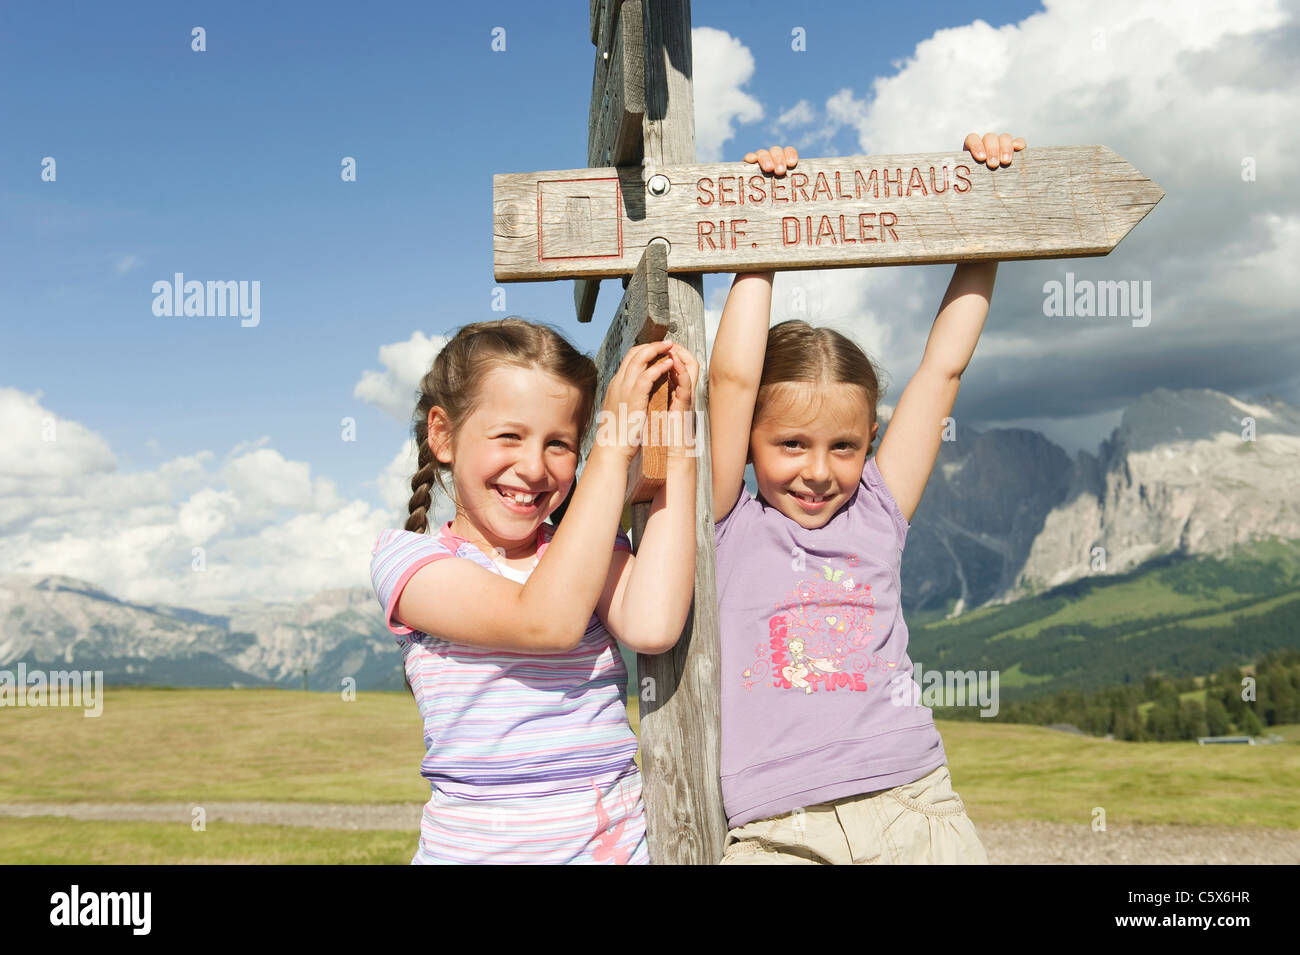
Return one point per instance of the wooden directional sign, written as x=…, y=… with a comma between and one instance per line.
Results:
x=855, y=211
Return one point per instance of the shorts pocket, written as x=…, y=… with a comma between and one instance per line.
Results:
x=928, y=824
x=754, y=836
x=793, y=837
x=736, y=851
x=932, y=794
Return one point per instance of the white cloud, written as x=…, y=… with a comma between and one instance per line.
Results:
x=808, y=131
x=396, y=388
x=206, y=514
x=126, y=263
x=264, y=482
x=1045, y=75
x=722, y=66
x=394, y=484
x=269, y=529
x=38, y=445
x=800, y=114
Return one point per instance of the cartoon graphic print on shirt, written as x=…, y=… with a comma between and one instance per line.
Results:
x=801, y=665
x=819, y=638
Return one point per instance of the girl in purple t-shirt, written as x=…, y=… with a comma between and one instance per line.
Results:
x=826, y=756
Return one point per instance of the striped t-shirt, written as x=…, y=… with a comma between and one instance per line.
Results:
x=528, y=756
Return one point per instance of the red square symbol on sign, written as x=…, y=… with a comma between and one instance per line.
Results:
x=579, y=219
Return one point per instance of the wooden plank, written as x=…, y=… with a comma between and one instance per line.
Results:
x=649, y=469
x=617, y=106
x=681, y=779
x=827, y=213
x=642, y=317
x=584, y=297
x=618, y=92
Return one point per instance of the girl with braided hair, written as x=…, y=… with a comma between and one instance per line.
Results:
x=507, y=624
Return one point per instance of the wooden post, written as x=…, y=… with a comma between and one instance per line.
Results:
x=642, y=117
x=680, y=723
x=617, y=103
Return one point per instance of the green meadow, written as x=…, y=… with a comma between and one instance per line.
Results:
x=50, y=840
x=172, y=745
x=197, y=745
x=1174, y=616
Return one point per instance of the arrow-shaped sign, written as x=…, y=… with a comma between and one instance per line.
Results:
x=1052, y=202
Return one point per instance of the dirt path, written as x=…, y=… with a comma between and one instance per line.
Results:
x=1008, y=843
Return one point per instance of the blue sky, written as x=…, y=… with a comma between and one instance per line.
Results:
x=225, y=165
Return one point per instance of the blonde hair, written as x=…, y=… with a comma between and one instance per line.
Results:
x=454, y=385
x=800, y=353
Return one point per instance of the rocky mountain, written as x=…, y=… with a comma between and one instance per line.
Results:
x=56, y=621
x=1007, y=513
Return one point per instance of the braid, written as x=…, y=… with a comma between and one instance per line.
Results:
x=426, y=473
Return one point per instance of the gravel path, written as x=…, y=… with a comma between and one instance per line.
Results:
x=1058, y=843
x=315, y=815
x=1008, y=843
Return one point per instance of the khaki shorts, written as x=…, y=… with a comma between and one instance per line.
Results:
x=918, y=822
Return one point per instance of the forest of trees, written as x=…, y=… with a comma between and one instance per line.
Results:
x=1233, y=705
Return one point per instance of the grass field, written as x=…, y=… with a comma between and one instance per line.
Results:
x=50, y=840
x=218, y=745
x=279, y=746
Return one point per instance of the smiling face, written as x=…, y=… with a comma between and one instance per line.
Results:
x=513, y=458
x=808, y=448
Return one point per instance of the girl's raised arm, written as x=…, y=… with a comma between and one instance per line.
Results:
x=736, y=364
x=911, y=442
x=735, y=368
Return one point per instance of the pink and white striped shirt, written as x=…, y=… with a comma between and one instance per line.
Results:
x=528, y=757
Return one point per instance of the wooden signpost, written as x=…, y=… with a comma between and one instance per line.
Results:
x=826, y=213
x=645, y=211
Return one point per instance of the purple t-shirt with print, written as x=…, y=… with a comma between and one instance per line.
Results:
x=814, y=652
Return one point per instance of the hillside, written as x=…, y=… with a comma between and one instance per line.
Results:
x=1181, y=616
